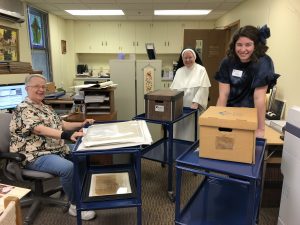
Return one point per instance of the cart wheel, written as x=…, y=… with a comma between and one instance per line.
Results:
x=171, y=196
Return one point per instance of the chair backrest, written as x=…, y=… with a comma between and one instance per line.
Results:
x=12, y=212
x=5, y=119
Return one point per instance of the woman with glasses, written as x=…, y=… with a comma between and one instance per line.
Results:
x=247, y=72
x=190, y=77
x=39, y=133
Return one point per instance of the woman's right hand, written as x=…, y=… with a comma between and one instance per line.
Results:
x=76, y=135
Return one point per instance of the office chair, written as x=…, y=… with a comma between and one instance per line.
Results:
x=13, y=171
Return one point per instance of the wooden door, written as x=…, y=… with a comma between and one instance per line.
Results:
x=214, y=45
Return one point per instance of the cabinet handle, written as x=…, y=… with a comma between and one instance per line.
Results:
x=106, y=43
x=137, y=43
x=102, y=43
x=133, y=43
x=165, y=43
x=168, y=43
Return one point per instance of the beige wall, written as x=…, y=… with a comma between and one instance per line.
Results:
x=283, y=18
x=63, y=65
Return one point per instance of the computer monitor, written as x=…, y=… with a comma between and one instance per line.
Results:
x=150, y=50
x=11, y=95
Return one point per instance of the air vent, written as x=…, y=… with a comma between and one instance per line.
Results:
x=11, y=16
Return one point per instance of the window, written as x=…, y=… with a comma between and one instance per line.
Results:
x=38, y=33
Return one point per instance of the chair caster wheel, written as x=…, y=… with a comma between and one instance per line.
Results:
x=171, y=196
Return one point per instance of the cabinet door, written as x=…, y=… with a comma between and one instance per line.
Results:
x=127, y=42
x=160, y=37
x=165, y=84
x=174, y=37
x=143, y=35
x=83, y=39
x=106, y=36
x=167, y=37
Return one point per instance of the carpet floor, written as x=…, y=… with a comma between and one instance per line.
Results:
x=157, y=209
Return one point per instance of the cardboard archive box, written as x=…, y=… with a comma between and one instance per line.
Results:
x=228, y=133
x=164, y=105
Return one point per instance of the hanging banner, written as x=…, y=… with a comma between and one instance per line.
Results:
x=148, y=79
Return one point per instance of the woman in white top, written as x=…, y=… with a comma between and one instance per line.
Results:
x=191, y=78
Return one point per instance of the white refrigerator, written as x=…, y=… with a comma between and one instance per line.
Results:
x=129, y=75
x=290, y=168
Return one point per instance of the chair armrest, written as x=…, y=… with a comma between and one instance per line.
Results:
x=13, y=156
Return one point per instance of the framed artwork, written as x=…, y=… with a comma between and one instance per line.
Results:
x=9, y=48
x=36, y=30
x=148, y=79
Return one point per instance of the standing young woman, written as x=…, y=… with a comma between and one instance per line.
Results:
x=247, y=72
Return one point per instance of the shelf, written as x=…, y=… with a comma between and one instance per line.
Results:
x=230, y=193
x=217, y=202
x=84, y=178
x=158, y=150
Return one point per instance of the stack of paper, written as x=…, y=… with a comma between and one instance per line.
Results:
x=116, y=135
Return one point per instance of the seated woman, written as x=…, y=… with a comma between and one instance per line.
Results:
x=39, y=133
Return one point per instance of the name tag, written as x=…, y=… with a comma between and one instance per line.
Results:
x=237, y=73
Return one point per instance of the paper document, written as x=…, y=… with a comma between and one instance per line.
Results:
x=115, y=135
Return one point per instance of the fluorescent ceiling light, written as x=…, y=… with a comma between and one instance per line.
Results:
x=181, y=12
x=96, y=12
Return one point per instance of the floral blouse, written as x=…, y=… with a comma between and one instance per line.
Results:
x=25, y=118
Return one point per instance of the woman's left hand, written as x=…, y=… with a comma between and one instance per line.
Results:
x=260, y=133
x=88, y=121
x=194, y=105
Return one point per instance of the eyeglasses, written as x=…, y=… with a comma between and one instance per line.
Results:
x=37, y=86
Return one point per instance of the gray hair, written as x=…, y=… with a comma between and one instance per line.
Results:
x=30, y=76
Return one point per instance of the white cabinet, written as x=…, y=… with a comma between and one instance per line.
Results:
x=167, y=37
x=127, y=43
x=83, y=39
x=105, y=37
x=129, y=37
x=96, y=37
x=143, y=35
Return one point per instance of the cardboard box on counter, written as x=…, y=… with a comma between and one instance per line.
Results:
x=164, y=105
x=228, y=133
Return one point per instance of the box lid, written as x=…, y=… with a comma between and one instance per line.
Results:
x=164, y=95
x=230, y=117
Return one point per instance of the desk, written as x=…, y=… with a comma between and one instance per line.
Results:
x=61, y=105
x=272, y=177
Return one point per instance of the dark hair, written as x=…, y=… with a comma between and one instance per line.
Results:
x=257, y=35
x=180, y=60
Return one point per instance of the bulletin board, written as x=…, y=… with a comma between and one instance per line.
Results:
x=9, y=49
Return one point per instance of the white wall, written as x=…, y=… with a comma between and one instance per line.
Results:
x=283, y=18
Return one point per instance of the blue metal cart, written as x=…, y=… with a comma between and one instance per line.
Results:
x=229, y=194
x=83, y=170
x=167, y=149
